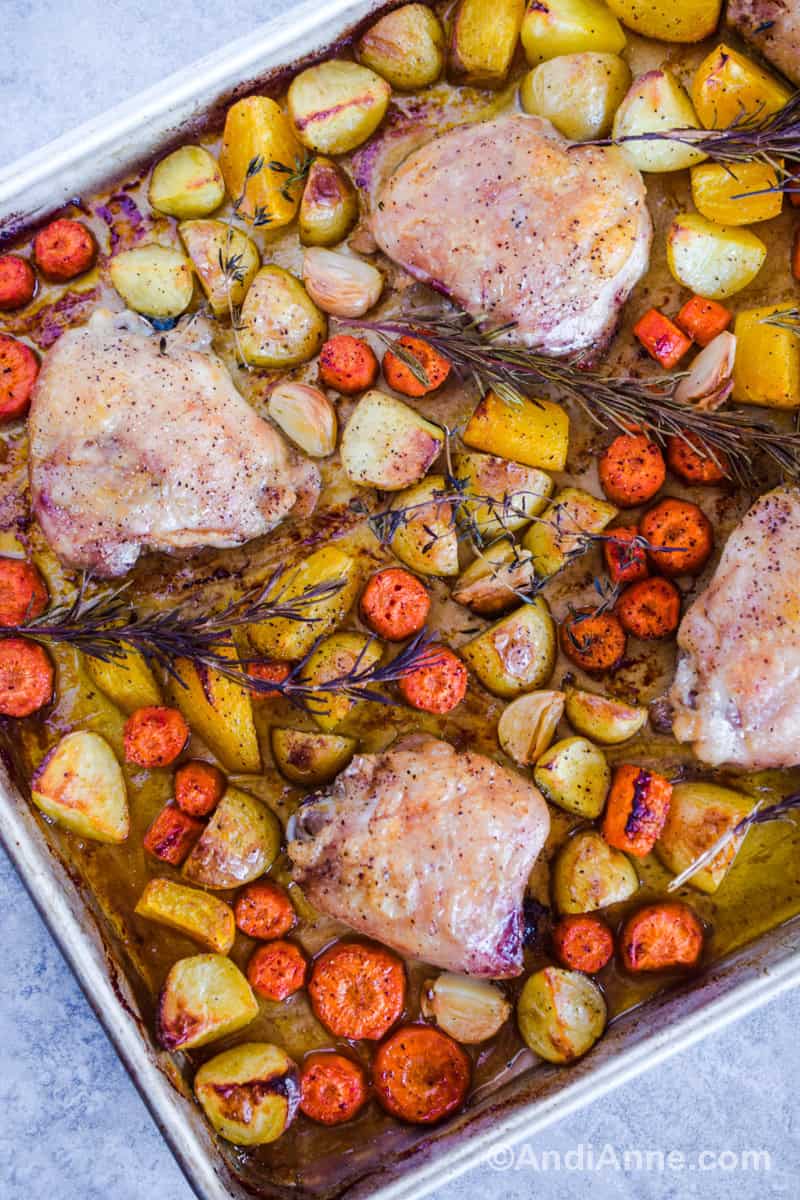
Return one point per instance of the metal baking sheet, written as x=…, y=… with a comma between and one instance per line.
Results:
x=109, y=146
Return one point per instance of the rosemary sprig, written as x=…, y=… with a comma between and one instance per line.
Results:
x=296, y=174
x=784, y=318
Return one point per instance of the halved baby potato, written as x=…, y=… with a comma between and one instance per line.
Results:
x=426, y=540
x=336, y=105
x=588, y=874
x=603, y=719
x=527, y=725
x=329, y=208
x=669, y=20
x=554, y=27
x=204, y=998
x=387, y=444
x=280, y=325
x=736, y=194
x=656, y=103
x=335, y=656
x=767, y=365
x=206, y=919
x=257, y=135
x=310, y=759
x=517, y=653
x=574, y=775
x=406, y=47
x=226, y=261
x=156, y=281
x=496, y=579
x=561, y=1014
x=578, y=93
x=127, y=681
x=220, y=711
x=728, y=86
x=250, y=1093
x=239, y=843
x=519, y=492
x=187, y=183
x=557, y=535
x=283, y=638
x=715, y=261
x=534, y=432
x=80, y=786
x=699, y=814
x=483, y=41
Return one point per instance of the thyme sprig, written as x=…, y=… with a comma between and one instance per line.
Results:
x=296, y=174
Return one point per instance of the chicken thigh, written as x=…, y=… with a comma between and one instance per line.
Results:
x=142, y=442
x=737, y=686
x=516, y=225
x=427, y=850
x=772, y=27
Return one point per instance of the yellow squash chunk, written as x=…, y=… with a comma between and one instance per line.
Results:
x=554, y=27
x=602, y=719
x=387, y=444
x=80, y=785
x=282, y=638
x=154, y=280
x=578, y=93
x=204, y=998
x=669, y=20
x=589, y=874
x=239, y=843
x=494, y=581
x=519, y=492
x=310, y=759
x=715, y=261
x=558, y=533
x=205, y=918
x=532, y=432
x=127, y=681
x=187, y=183
x=225, y=259
x=699, y=814
x=221, y=712
x=426, y=539
x=406, y=47
x=258, y=133
x=729, y=86
x=561, y=1014
x=736, y=194
x=329, y=208
x=575, y=775
x=517, y=653
x=527, y=725
x=280, y=325
x=250, y=1093
x=767, y=366
x=336, y=105
x=656, y=103
x=483, y=41
x=334, y=657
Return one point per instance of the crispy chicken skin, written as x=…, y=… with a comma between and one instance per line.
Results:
x=427, y=850
x=737, y=686
x=514, y=225
x=773, y=28
x=142, y=442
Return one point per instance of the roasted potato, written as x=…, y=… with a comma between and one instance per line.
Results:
x=469, y=1010
x=736, y=194
x=554, y=27
x=329, y=208
x=283, y=638
x=527, y=725
x=280, y=325
x=557, y=535
x=519, y=492
x=517, y=653
x=258, y=134
x=495, y=580
x=306, y=416
x=127, y=681
x=154, y=280
x=686, y=21
x=699, y=814
x=387, y=444
x=767, y=365
x=578, y=93
x=336, y=105
x=80, y=785
x=588, y=874
x=239, y=843
x=603, y=719
x=204, y=918
x=250, y=1093
x=335, y=656
x=221, y=712
x=655, y=103
x=561, y=1014
x=341, y=284
x=406, y=47
x=534, y=432
x=728, y=86
x=187, y=183
x=715, y=261
x=204, y=997
x=310, y=759
x=574, y=775
x=483, y=41
x=225, y=259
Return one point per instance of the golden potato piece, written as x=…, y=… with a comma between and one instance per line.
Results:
x=336, y=105
x=558, y=534
x=204, y=918
x=257, y=134
x=656, y=103
x=555, y=27
x=517, y=653
x=310, y=759
x=527, y=725
x=578, y=93
x=406, y=47
x=221, y=712
x=667, y=21
x=495, y=580
x=226, y=261
x=187, y=183
x=387, y=444
x=154, y=280
x=283, y=638
x=561, y=1014
x=736, y=194
x=699, y=814
x=532, y=432
x=127, y=681
x=589, y=875
x=204, y=998
x=575, y=775
x=250, y=1093
x=239, y=843
x=80, y=785
x=729, y=86
x=483, y=41
x=280, y=325
x=329, y=208
x=426, y=538
x=603, y=719
x=715, y=261
x=767, y=365
x=335, y=656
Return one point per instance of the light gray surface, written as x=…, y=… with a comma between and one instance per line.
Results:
x=72, y=1125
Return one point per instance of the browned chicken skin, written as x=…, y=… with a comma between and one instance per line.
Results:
x=773, y=28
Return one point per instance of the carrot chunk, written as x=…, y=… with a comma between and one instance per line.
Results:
x=172, y=835
x=437, y=688
x=661, y=936
x=18, y=370
x=347, y=364
x=691, y=461
x=636, y=809
x=64, y=249
x=394, y=604
x=625, y=562
x=268, y=672
x=681, y=534
x=357, y=990
x=26, y=677
x=277, y=970
x=17, y=282
x=796, y=254
x=199, y=787
x=583, y=943
x=420, y=1074
x=154, y=736
x=264, y=911
x=703, y=319
x=23, y=594
x=631, y=470
x=595, y=642
x=662, y=340
x=399, y=375
x=332, y=1088
x=650, y=609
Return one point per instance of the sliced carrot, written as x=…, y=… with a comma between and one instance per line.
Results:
x=399, y=375
x=154, y=736
x=662, y=340
x=23, y=594
x=172, y=835
x=631, y=470
x=636, y=809
x=682, y=535
x=420, y=1074
x=357, y=990
x=264, y=911
x=650, y=609
x=595, y=642
x=26, y=677
x=64, y=249
x=661, y=936
x=332, y=1088
x=437, y=688
x=394, y=604
x=703, y=319
x=277, y=970
x=688, y=458
x=268, y=672
x=199, y=787
x=583, y=943
x=17, y=282
x=18, y=370
x=625, y=561
x=347, y=364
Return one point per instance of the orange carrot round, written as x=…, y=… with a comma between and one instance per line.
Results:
x=420, y=1074
x=154, y=736
x=631, y=470
x=660, y=937
x=626, y=562
x=357, y=990
x=347, y=364
x=277, y=970
x=23, y=594
x=636, y=809
x=264, y=911
x=172, y=835
x=64, y=249
x=682, y=534
x=437, y=688
x=400, y=376
x=26, y=677
x=18, y=370
x=595, y=642
x=583, y=943
x=17, y=282
x=650, y=609
x=268, y=672
x=687, y=459
x=199, y=787
x=703, y=319
x=332, y=1088
x=394, y=604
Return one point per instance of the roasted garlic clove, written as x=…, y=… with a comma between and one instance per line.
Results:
x=339, y=283
x=469, y=1010
x=306, y=416
x=527, y=725
x=710, y=380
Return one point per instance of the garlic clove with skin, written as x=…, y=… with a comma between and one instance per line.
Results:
x=709, y=381
x=341, y=284
x=469, y=1010
x=306, y=416
x=527, y=725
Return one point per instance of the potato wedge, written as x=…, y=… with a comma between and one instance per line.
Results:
x=686, y=21
x=127, y=681
x=554, y=538
x=520, y=492
x=483, y=41
x=699, y=814
x=335, y=656
x=534, y=432
x=250, y=1093
x=574, y=775
x=655, y=103
x=736, y=194
x=280, y=325
x=214, y=246
x=767, y=365
x=204, y=997
x=588, y=874
x=495, y=580
x=517, y=653
x=426, y=539
x=221, y=712
x=728, y=86
x=329, y=208
x=406, y=47
x=283, y=638
x=602, y=719
x=80, y=786
x=387, y=444
x=310, y=759
x=206, y=919
x=578, y=93
x=715, y=261
x=239, y=843
x=156, y=281
x=336, y=105
x=187, y=183
x=257, y=134
x=561, y=1014
x=554, y=27
x=527, y=725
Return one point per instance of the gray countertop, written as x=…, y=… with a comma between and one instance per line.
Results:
x=72, y=1124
